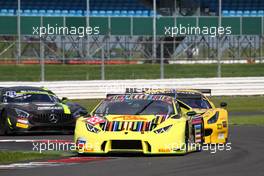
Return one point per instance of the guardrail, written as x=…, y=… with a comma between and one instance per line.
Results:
x=98, y=89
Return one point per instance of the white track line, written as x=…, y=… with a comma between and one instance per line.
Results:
x=36, y=140
x=30, y=165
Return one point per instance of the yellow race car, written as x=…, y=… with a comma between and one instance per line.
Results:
x=215, y=119
x=150, y=124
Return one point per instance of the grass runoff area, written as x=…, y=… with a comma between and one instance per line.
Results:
x=243, y=110
x=143, y=71
x=19, y=156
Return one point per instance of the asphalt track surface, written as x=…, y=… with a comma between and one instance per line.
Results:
x=16, y=143
x=245, y=158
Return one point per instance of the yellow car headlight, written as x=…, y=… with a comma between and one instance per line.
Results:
x=91, y=128
x=214, y=118
x=163, y=130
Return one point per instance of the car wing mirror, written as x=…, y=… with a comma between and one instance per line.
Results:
x=223, y=104
x=191, y=113
x=64, y=99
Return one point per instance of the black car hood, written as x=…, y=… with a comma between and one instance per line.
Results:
x=43, y=107
x=39, y=107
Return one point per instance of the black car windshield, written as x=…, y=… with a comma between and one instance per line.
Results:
x=29, y=97
x=196, y=103
x=135, y=107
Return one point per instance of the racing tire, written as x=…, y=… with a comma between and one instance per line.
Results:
x=186, y=138
x=4, y=127
x=203, y=132
x=226, y=140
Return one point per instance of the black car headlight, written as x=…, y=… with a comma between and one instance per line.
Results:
x=21, y=113
x=214, y=118
x=91, y=128
x=162, y=130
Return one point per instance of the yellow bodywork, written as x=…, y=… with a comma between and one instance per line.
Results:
x=101, y=141
x=215, y=133
x=168, y=142
x=218, y=131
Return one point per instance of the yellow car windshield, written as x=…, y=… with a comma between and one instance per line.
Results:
x=135, y=107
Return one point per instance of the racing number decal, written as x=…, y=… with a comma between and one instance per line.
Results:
x=11, y=94
x=95, y=120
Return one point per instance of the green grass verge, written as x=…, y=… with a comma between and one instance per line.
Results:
x=89, y=104
x=144, y=71
x=11, y=157
x=241, y=103
x=247, y=120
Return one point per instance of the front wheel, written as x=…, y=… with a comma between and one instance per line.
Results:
x=186, y=147
x=2, y=125
x=5, y=128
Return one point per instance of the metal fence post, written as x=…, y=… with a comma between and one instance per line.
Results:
x=261, y=47
x=42, y=57
x=154, y=47
x=102, y=64
x=162, y=60
x=87, y=25
x=219, y=54
x=261, y=41
x=63, y=42
x=18, y=32
x=42, y=60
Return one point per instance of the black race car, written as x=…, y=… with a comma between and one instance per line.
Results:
x=31, y=109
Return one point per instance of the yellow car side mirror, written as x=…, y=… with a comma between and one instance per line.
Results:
x=223, y=104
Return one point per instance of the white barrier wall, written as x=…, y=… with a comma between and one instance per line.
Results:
x=98, y=89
